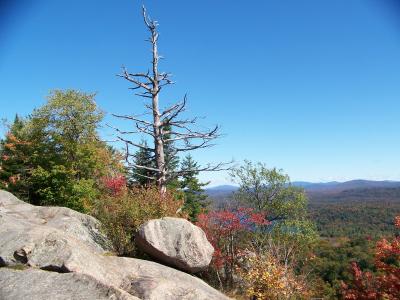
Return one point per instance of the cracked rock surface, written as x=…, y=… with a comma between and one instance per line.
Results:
x=62, y=256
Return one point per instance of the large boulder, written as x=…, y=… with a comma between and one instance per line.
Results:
x=175, y=242
x=64, y=263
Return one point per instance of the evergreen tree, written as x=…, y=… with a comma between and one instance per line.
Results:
x=14, y=154
x=171, y=159
x=143, y=157
x=192, y=188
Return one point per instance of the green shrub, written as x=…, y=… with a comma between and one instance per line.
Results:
x=122, y=212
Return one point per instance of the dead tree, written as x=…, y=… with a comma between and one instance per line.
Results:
x=162, y=125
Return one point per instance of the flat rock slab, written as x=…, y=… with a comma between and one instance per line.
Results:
x=175, y=242
x=34, y=284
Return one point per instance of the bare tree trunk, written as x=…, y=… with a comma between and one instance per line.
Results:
x=159, y=147
x=157, y=124
x=221, y=286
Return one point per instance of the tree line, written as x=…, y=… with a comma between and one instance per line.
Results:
x=55, y=156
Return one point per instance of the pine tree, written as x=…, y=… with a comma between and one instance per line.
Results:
x=192, y=188
x=143, y=157
x=171, y=159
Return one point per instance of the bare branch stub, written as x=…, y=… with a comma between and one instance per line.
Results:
x=164, y=126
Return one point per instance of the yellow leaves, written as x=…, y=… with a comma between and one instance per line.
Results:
x=268, y=279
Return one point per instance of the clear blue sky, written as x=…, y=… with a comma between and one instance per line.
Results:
x=310, y=86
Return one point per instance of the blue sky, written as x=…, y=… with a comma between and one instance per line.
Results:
x=312, y=87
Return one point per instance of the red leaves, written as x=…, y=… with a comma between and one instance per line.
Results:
x=227, y=221
x=387, y=254
x=258, y=219
x=223, y=228
x=364, y=285
x=115, y=185
x=386, y=285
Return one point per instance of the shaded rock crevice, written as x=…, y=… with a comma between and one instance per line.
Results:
x=56, y=269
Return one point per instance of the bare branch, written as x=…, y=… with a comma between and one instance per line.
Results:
x=120, y=131
x=139, y=84
x=189, y=134
x=144, y=95
x=186, y=137
x=173, y=112
x=127, y=142
x=169, y=110
x=191, y=147
x=147, y=20
x=143, y=167
x=144, y=176
x=143, y=75
x=181, y=123
x=207, y=168
x=133, y=118
x=145, y=130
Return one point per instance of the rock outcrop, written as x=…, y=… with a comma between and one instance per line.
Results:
x=39, y=284
x=175, y=242
x=64, y=256
x=82, y=227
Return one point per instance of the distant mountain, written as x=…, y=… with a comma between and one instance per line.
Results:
x=312, y=188
x=334, y=186
x=221, y=190
x=358, y=195
x=315, y=185
x=225, y=187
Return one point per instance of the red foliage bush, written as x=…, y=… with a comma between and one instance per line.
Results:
x=385, y=285
x=224, y=229
x=115, y=185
